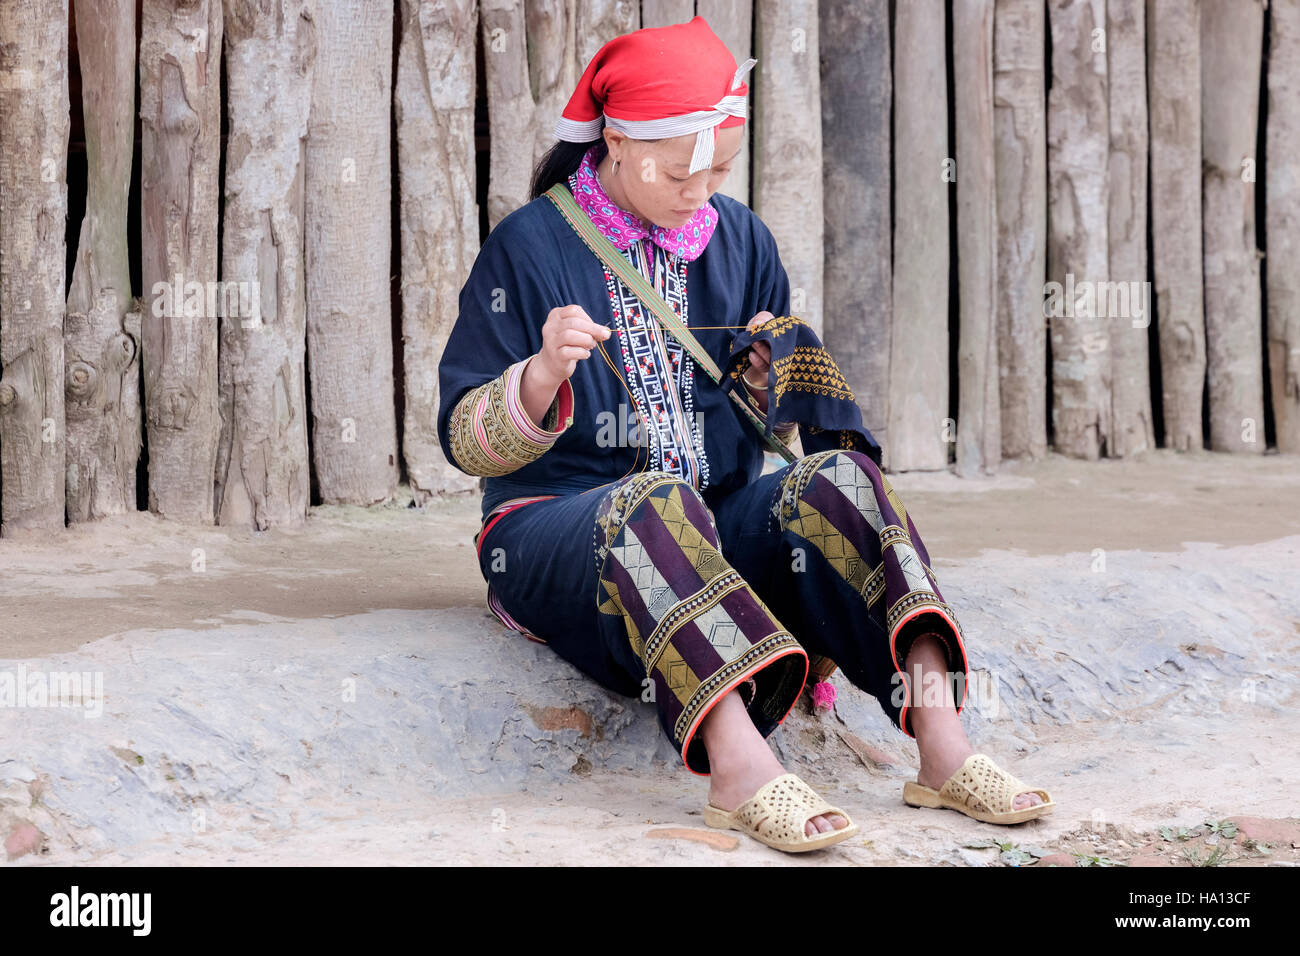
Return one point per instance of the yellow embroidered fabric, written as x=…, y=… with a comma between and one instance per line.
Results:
x=807, y=387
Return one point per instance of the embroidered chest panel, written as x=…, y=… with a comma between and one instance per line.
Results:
x=658, y=372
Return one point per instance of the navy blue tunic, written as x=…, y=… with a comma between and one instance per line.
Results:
x=533, y=262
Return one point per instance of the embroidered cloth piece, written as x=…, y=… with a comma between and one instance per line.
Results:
x=806, y=386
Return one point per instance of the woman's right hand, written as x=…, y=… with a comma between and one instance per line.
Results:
x=568, y=336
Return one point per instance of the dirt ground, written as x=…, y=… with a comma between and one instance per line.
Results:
x=1220, y=785
x=137, y=571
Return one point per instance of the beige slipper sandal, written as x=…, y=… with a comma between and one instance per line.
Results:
x=982, y=790
x=777, y=814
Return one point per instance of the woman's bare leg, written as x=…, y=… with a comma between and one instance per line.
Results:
x=740, y=761
x=939, y=734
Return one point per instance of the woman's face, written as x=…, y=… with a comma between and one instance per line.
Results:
x=655, y=178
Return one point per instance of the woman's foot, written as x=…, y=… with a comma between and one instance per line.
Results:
x=939, y=735
x=740, y=761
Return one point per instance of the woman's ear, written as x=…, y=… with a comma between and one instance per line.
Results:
x=614, y=141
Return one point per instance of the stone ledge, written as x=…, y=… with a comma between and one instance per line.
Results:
x=262, y=719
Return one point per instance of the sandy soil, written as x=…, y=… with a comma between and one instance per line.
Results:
x=1116, y=781
x=136, y=571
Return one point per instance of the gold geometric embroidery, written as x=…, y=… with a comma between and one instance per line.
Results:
x=613, y=605
x=688, y=610
x=702, y=553
x=810, y=369
x=777, y=644
x=839, y=552
x=617, y=505
x=895, y=502
x=502, y=435
x=797, y=479
x=677, y=674
x=923, y=599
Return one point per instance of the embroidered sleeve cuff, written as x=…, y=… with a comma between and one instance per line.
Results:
x=490, y=432
x=558, y=417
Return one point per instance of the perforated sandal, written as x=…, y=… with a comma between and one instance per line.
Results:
x=981, y=790
x=777, y=814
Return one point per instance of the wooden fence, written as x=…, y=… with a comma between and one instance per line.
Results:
x=282, y=198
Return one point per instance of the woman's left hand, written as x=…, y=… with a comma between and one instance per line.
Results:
x=760, y=356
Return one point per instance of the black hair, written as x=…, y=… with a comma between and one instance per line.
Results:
x=560, y=162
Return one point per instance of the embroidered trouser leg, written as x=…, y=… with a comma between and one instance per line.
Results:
x=829, y=547
x=647, y=602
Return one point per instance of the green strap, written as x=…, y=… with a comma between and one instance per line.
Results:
x=608, y=254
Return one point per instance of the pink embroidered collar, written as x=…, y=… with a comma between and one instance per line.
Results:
x=622, y=228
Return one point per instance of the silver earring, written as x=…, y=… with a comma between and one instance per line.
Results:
x=615, y=167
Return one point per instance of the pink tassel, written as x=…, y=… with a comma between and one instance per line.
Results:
x=823, y=694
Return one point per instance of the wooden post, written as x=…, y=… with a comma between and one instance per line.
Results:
x=522, y=54
x=1232, y=37
x=1174, y=96
x=434, y=99
x=1282, y=221
x=349, y=255
x=510, y=106
x=665, y=13
x=552, y=70
x=919, y=429
x=732, y=21
x=263, y=471
x=1132, y=430
x=855, y=99
x=788, y=145
x=1020, y=145
x=101, y=343
x=180, y=118
x=598, y=22
x=1078, y=153
x=33, y=210
x=979, y=410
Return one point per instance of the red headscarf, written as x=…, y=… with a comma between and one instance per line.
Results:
x=657, y=83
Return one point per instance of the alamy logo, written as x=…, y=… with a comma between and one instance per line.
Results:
x=80, y=689
x=102, y=909
x=209, y=300
x=1086, y=299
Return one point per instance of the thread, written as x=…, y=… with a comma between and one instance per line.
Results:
x=632, y=400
